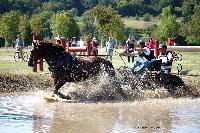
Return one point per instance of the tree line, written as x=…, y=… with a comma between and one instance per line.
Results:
x=101, y=18
x=124, y=7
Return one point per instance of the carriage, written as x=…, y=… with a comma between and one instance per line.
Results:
x=153, y=77
x=67, y=68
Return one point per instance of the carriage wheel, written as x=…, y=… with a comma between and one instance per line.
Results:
x=16, y=56
x=25, y=56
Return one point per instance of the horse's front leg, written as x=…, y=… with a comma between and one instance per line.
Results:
x=58, y=83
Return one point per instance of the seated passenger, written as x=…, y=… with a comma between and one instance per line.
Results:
x=146, y=57
x=166, y=57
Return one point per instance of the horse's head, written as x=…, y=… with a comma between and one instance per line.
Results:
x=35, y=55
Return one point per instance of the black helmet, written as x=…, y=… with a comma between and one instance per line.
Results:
x=163, y=46
x=141, y=43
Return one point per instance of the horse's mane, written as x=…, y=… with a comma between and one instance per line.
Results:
x=52, y=46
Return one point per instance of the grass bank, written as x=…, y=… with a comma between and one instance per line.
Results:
x=190, y=63
x=138, y=24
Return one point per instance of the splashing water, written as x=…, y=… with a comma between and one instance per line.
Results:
x=106, y=89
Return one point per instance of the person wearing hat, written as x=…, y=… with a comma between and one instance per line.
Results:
x=146, y=57
x=166, y=57
x=19, y=45
x=94, y=44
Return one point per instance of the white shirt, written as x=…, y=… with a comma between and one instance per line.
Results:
x=81, y=43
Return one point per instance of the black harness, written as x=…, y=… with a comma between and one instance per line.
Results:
x=65, y=63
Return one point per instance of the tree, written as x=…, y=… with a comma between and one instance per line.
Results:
x=88, y=4
x=51, y=6
x=147, y=17
x=187, y=10
x=63, y=24
x=108, y=22
x=36, y=24
x=194, y=27
x=46, y=19
x=150, y=29
x=9, y=26
x=168, y=26
x=88, y=28
x=24, y=29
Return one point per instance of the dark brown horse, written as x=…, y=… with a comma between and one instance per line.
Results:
x=66, y=67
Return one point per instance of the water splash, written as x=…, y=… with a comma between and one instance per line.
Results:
x=103, y=88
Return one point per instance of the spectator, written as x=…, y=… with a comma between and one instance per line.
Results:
x=94, y=45
x=82, y=44
x=19, y=45
x=73, y=42
x=151, y=44
x=130, y=43
x=109, y=47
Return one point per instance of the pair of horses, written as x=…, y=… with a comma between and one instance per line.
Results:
x=66, y=67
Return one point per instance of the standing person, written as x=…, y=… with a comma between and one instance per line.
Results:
x=19, y=45
x=166, y=57
x=94, y=44
x=151, y=43
x=130, y=43
x=73, y=42
x=82, y=44
x=109, y=47
x=146, y=57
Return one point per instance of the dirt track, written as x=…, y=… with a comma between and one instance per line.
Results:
x=16, y=82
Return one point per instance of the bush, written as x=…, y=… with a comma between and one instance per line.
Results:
x=150, y=29
x=147, y=17
x=180, y=40
x=137, y=17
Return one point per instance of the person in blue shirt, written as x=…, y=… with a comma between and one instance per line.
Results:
x=146, y=57
x=19, y=45
x=109, y=47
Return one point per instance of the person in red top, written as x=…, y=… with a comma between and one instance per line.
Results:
x=151, y=44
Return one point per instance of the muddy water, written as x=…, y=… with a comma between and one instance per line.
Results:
x=30, y=113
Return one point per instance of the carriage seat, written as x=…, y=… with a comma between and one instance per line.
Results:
x=155, y=65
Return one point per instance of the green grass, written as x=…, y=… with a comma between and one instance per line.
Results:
x=8, y=64
x=190, y=62
x=138, y=24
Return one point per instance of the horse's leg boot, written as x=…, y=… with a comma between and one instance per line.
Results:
x=63, y=96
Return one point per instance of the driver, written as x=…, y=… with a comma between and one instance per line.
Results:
x=166, y=57
x=146, y=57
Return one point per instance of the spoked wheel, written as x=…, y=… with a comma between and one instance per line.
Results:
x=25, y=56
x=17, y=56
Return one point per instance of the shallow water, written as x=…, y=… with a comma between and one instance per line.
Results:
x=30, y=113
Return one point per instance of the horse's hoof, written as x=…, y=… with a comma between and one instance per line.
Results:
x=63, y=96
